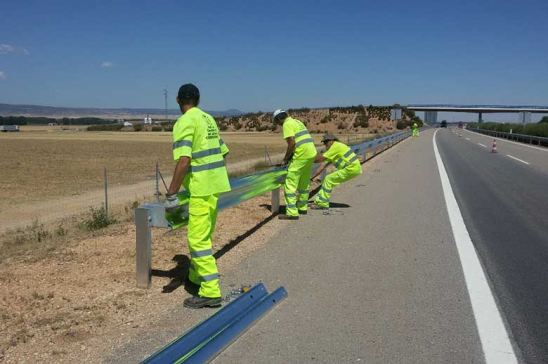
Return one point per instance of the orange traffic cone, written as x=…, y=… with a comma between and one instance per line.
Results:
x=494, y=147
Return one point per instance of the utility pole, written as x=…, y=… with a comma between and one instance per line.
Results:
x=165, y=102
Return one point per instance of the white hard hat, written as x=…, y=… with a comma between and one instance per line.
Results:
x=278, y=112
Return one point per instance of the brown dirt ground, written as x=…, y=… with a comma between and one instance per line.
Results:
x=74, y=302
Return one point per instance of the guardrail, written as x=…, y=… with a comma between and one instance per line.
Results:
x=150, y=215
x=523, y=138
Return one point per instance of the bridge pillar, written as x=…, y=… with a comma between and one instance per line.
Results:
x=430, y=117
x=480, y=117
x=525, y=117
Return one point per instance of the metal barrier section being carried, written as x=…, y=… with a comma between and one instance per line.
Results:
x=150, y=215
x=206, y=340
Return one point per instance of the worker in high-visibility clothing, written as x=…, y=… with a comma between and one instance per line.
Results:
x=200, y=155
x=344, y=159
x=299, y=158
x=415, y=130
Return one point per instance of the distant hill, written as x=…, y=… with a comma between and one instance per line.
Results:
x=116, y=113
x=341, y=120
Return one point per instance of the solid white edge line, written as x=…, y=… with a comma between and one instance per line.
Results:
x=495, y=341
x=519, y=160
x=483, y=145
x=508, y=141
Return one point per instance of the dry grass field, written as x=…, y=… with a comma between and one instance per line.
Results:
x=49, y=173
x=42, y=164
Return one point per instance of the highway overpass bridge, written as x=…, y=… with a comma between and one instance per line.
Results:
x=431, y=111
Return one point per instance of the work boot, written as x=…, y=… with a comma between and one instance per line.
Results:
x=287, y=217
x=200, y=302
x=303, y=212
x=318, y=207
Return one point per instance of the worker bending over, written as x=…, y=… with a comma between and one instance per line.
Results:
x=345, y=160
x=415, y=130
x=299, y=157
x=199, y=152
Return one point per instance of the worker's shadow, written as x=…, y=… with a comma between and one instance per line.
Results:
x=179, y=273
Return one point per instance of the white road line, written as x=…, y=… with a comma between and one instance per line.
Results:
x=483, y=145
x=495, y=341
x=519, y=160
x=509, y=141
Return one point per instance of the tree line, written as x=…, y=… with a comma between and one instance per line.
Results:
x=40, y=120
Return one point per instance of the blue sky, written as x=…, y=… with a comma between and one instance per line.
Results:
x=260, y=55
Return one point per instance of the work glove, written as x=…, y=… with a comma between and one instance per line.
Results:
x=171, y=203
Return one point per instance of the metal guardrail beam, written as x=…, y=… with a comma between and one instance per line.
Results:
x=150, y=215
x=523, y=138
x=207, y=339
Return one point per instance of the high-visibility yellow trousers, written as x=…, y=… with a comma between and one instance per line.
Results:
x=332, y=180
x=297, y=186
x=201, y=225
x=415, y=132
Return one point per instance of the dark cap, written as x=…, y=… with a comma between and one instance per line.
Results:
x=327, y=137
x=188, y=92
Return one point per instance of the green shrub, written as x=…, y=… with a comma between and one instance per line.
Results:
x=97, y=219
x=539, y=129
x=156, y=128
x=341, y=125
x=138, y=127
x=362, y=120
x=106, y=127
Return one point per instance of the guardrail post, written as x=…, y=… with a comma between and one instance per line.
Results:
x=143, y=242
x=275, y=201
x=364, y=154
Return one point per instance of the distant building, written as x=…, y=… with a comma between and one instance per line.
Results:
x=127, y=123
x=7, y=128
x=148, y=120
x=52, y=124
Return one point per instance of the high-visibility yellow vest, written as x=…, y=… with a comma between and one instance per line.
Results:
x=342, y=156
x=196, y=135
x=304, y=144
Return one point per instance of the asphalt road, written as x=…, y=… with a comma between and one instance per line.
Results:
x=504, y=202
x=376, y=282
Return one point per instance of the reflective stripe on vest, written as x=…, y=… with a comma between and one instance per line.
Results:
x=182, y=143
x=341, y=164
x=302, y=132
x=301, y=142
x=355, y=157
x=205, y=167
x=205, y=153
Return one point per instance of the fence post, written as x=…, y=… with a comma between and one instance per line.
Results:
x=106, y=192
x=157, y=193
x=275, y=201
x=143, y=242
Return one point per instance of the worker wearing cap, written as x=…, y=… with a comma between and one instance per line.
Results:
x=344, y=159
x=199, y=152
x=299, y=157
x=415, y=130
